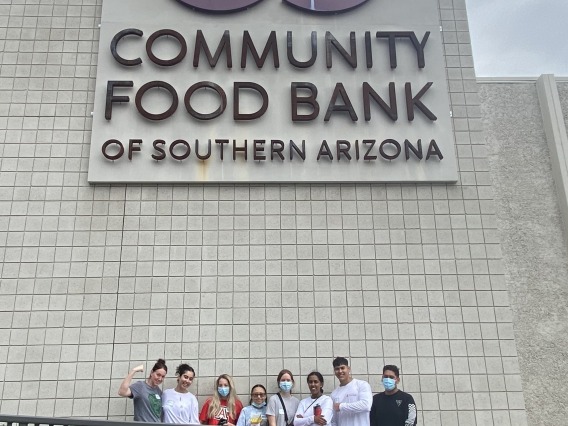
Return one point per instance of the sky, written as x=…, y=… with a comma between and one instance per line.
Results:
x=519, y=38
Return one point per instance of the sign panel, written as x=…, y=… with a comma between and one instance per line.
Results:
x=271, y=91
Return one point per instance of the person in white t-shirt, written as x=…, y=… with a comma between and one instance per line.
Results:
x=178, y=404
x=317, y=409
x=352, y=399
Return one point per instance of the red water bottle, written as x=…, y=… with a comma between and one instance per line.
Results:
x=317, y=410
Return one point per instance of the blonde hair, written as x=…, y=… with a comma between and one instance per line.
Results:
x=232, y=398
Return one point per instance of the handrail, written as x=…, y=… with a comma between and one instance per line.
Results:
x=10, y=420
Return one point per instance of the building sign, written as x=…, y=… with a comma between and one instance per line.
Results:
x=271, y=91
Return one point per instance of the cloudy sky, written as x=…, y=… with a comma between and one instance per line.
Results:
x=519, y=38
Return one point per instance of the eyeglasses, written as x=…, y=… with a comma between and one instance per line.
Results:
x=258, y=394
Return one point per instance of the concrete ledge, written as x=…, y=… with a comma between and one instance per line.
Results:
x=515, y=80
x=555, y=130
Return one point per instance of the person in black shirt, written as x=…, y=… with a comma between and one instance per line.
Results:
x=392, y=407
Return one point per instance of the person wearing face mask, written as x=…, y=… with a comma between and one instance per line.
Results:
x=392, y=407
x=282, y=407
x=255, y=413
x=318, y=408
x=224, y=407
x=178, y=404
x=146, y=395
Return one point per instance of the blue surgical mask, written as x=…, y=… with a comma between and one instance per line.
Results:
x=286, y=386
x=257, y=405
x=389, y=383
x=223, y=391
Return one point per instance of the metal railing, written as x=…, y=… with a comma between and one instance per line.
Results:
x=62, y=421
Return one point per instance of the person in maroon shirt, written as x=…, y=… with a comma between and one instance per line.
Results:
x=224, y=407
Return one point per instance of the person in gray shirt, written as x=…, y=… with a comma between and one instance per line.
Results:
x=146, y=395
x=282, y=407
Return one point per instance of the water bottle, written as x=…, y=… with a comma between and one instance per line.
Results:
x=317, y=410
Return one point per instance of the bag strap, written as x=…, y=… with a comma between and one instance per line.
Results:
x=283, y=406
x=313, y=402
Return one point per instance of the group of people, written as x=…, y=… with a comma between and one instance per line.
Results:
x=350, y=404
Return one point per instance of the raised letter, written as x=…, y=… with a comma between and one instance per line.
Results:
x=391, y=36
x=236, y=104
x=301, y=153
x=152, y=85
x=182, y=156
x=200, y=43
x=110, y=98
x=276, y=147
x=393, y=143
x=346, y=107
x=236, y=149
x=114, y=45
x=416, y=151
x=368, y=51
x=371, y=143
x=324, y=150
x=418, y=45
x=343, y=147
x=222, y=143
x=271, y=44
x=202, y=85
x=118, y=154
x=158, y=144
x=310, y=100
x=434, y=150
x=368, y=92
x=206, y=156
x=309, y=62
x=134, y=146
x=415, y=101
x=166, y=62
x=350, y=58
x=258, y=149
